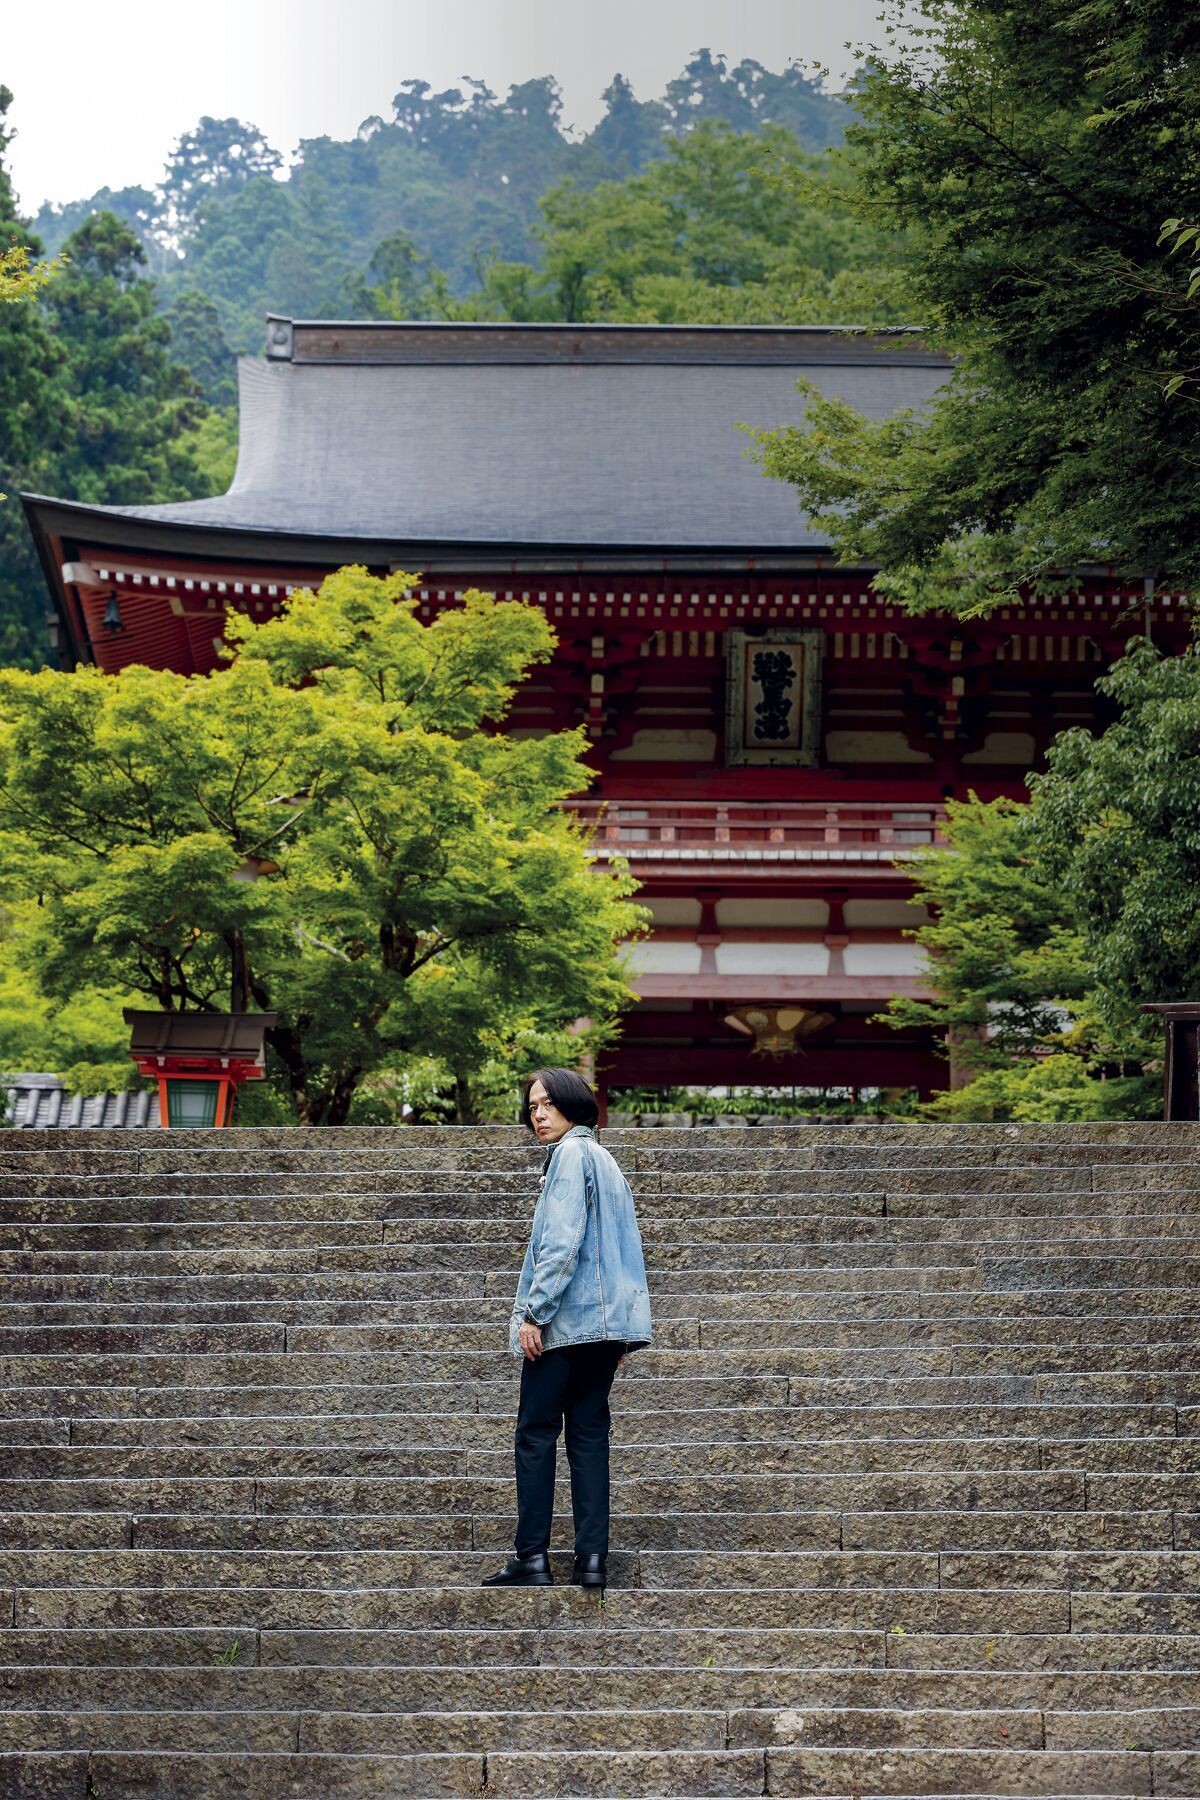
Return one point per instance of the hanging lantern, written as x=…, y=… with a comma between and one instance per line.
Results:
x=775, y=1029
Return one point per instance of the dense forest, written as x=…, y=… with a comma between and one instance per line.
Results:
x=457, y=175
x=722, y=201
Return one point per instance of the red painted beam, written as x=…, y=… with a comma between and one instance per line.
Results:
x=779, y=987
x=696, y=1066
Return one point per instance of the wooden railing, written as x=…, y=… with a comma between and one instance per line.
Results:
x=630, y=825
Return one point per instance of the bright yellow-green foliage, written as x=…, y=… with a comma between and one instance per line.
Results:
x=81, y=1037
x=419, y=890
x=22, y=278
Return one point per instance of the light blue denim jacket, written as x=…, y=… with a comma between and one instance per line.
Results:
x=584, y=1278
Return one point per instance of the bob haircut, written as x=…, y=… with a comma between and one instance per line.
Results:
x=566, y=1090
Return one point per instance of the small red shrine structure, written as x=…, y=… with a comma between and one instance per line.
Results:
x=198, y=1060
x=768, y=732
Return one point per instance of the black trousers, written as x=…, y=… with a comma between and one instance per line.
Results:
x=567, y=1387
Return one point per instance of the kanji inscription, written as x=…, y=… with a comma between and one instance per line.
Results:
x=773, y=676
x=772, y=713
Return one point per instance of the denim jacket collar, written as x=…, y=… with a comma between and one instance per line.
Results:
x=575, y=1131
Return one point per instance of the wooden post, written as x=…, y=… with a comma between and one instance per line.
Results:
x=1181, y=1058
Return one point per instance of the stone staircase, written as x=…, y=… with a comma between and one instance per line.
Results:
x=907, y=1496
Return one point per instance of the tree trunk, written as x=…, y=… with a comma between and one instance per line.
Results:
x=286, y=1043
x=333, y=1106
x=464, y=1112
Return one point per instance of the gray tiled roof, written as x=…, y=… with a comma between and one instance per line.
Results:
x=40, y=1102
x=577, y=453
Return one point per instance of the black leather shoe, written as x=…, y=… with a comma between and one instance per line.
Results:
x=590, y=1571
x=523, y=1571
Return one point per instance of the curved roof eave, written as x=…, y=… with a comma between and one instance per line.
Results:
x=172, y=531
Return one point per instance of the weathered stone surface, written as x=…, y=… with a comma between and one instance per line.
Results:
x=118, y=1340
x=802, y=1569
x=30, y=1655
x=1165, y=1571
x=718, y=1611
x=599, y=1686
x=1177, y=1772
x=629, y=1773
x=1147, y=1728
x=114, y=1775
x=962, y=1772
x=1153, y=1611
x=819, y=1727
x=713, y=1531
x=185, y=1729
x=26, y=1777
x=60, y=1531
x=950, y=1531
x=206, y=1531
x=1077, y=1652
x=403, y=1733
x=373, y=1455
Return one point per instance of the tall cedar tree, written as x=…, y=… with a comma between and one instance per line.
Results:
x=92, y=405
x=30, y=396
x=1032, y=166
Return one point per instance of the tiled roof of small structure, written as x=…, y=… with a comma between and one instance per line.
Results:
x=601, y=438
x=40, y=1103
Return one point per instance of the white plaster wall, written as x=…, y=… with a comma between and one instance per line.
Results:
x=772, y=959
x=884, y=915
x=1004, y=747
x=871, y=747
x=884, y=959
x=783, y=914
x=672, y=909
x=669, y=746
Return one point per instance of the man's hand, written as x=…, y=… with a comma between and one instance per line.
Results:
x=530, y=1339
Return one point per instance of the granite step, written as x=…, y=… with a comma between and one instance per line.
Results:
x=798, y=1376
x=802, y=1529
x=324, y=1447
x=369, y=1776
x=776, y=1531
x=523, y=1686
x=799, y=1229
x=366, y=1324
x=920, y=1215
x=698, y=1616
x=967, y=1493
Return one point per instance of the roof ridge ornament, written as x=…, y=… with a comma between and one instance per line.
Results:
x=280, y=336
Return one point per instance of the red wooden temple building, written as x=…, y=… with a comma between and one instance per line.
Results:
x=767, y=732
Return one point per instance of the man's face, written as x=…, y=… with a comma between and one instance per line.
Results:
x=548, y=1123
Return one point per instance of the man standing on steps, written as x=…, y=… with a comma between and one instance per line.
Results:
x=581, y=1305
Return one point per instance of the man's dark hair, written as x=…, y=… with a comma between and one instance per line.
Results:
x=566, y=1090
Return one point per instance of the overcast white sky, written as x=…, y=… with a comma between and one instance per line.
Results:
x=103, y=87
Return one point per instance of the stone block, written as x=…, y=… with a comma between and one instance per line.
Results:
x=931, y=1728
x=43, y=1777
x=116, y=1775
x=630, y=1773
x=961, y=1772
